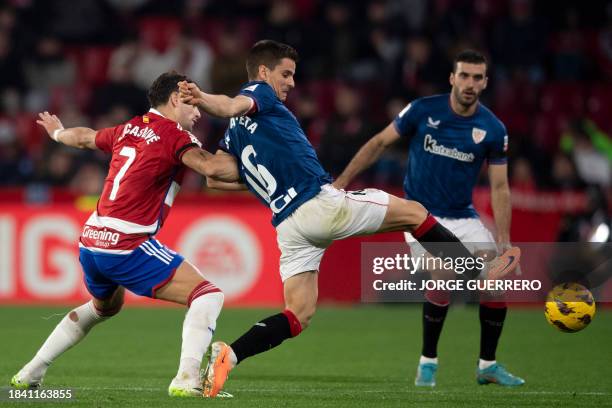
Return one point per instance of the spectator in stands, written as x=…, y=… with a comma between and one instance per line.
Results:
x=47, y=68
x=519, y=41
x=194, y=57
x=347, y=130
x=121, y=90
x=421, y=70
x=334, y=38
x=227, y=72
x=564, y=174
x=521, y=175
x=569, y=60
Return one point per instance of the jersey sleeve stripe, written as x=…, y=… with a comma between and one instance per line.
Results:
x=179, y=153
x=171, y=194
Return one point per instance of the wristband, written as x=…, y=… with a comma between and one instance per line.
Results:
x=55, y=134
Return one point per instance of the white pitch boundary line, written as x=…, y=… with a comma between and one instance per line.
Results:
x=302, y=391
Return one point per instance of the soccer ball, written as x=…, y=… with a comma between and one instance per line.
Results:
x=570, y=307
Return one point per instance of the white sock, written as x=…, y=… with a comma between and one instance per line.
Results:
x=482, y=364
x=70, y=330
x=233, y=358
x=428, y=360
x=198, y=329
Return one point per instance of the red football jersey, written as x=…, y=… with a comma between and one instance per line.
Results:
x=144, y=176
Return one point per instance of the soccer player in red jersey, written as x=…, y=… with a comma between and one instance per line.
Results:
x=118, y=249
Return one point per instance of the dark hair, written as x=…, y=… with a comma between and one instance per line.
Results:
x=268, y=53
x=469, y=56
x=163, y=86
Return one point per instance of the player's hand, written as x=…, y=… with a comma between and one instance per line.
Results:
x=51, y=123
x=190, y=93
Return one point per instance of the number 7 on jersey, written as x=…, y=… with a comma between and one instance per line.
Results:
x=130, y=153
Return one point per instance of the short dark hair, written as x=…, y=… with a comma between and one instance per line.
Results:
x=469, y=56
x=163, y=86
x=268, y=53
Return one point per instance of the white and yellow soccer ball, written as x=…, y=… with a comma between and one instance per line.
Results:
x=570, y=307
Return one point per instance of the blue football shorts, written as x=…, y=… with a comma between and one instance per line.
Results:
x=146, y=269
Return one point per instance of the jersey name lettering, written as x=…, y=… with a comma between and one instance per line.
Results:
x=145, y=133
x=245, y=121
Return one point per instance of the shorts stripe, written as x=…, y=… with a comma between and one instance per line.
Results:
x=154, y=250
x=165, y=248
x=148, y=252
x=161, y=253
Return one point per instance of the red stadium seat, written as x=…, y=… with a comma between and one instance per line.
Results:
x=563, y=98
x=516, y=121
x=159, y=33
x=94, y=67
x=32, y=135
x=91, y=62
x=599, y=103
x=547, y=130
x=324, y=92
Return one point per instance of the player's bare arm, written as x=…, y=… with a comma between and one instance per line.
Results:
x=500, y=202
x=220, y=166
x=224, y=185
x=367, y=155
x=80, y=137
x=217, y=105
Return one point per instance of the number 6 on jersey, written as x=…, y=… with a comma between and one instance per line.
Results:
x=130, y=153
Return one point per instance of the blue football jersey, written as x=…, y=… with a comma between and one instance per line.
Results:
x=446, y=152
x=277, y=162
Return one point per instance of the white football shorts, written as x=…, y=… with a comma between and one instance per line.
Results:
x=331, y=215
x=471, y=231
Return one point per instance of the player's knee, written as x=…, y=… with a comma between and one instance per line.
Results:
x=414, y=213
x=110, y=307
x=109, y=310
x=206, y=288
x=416, y=210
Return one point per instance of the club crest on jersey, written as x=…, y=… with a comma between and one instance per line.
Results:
x=432, y=123
x=478, y=135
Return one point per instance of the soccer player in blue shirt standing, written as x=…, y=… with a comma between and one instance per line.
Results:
x=450, y=136
x=277, y=163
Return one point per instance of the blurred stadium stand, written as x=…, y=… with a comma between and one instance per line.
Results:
x=90, y=62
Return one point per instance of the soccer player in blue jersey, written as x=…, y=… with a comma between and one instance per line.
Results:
x=278, y=164
x=451, y=135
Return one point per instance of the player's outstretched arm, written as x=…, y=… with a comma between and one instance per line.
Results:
x=217, y=105
x=220, y=166
x=80, y=137
x=367, y=155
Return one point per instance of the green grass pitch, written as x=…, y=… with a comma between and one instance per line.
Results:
x=350, y=357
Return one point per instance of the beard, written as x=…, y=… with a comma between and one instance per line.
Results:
x=464, y=101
